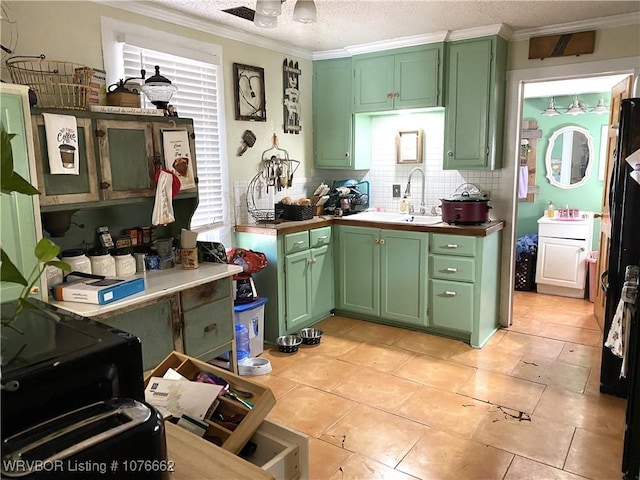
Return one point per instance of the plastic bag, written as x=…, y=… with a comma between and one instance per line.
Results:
x=250, y=261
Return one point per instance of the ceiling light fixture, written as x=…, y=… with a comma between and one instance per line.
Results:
x=601, y=108
x=305, y=11
x=577, y=107
x=267, y=12
x=551, y=109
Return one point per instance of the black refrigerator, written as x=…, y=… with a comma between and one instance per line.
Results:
x=622, y=279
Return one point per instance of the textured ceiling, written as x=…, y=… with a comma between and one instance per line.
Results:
x=343, y=23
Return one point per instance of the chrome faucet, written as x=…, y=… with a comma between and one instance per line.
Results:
x=407, y=190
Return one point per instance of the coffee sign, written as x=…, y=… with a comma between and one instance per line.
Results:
x=177, y=157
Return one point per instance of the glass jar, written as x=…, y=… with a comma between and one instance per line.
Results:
x=102, y=263
x=77, y=260
x=125, y=263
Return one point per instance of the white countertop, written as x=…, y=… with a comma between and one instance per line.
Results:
x=157, y=283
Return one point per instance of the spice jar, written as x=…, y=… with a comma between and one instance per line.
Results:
x=77, y=260
x=125, y=263
x=101, y=262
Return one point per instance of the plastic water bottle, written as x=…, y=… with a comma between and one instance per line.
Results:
x=242, y=341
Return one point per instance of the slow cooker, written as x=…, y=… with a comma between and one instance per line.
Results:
x=466, y=206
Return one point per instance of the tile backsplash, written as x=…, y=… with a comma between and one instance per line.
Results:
x=384, y=171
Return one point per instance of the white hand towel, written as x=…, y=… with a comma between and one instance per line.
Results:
x=523, y=181
x=163, y=208
x=62, y=144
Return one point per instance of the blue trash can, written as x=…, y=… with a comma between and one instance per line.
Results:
x=252, y=315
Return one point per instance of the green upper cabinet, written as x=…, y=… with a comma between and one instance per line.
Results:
x=474, y=103
x=399, y=79
x=19, y=231
x=334, y=124
x=118, y=157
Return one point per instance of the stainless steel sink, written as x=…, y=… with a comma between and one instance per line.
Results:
x=389, y=217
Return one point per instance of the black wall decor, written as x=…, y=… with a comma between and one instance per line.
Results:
x=291, y=96
x=249, y=93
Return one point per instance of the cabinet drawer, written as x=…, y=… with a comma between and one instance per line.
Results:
x=579, y=230
x=296, y=242
x=452, y=304
x=453, y=245
x=207, y=327
x=453, y=268
x=206, y=293
x=320, y=236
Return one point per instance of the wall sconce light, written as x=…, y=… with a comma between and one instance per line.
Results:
x=600, y=108
x=551, y=109
x=577, y=107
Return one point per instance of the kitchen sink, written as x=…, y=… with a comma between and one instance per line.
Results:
x=389, y=217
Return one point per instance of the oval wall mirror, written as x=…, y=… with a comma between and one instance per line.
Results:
x=569, y=157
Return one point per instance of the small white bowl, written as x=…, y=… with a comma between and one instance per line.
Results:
x=254, y=366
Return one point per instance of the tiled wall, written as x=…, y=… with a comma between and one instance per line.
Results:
x=384, y=171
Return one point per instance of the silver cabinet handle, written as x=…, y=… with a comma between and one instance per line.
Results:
x=582, y=249
x=452, y=245
x=451, y=270
x=449, y=294
x=312, y=261
x=376, y=240
x=450, y=154
x=299, y=242
x=382, y=241
x=322, y=238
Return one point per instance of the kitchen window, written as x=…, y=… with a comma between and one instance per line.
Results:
x=197, y=72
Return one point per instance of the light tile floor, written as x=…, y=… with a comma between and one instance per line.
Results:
x=380, y=402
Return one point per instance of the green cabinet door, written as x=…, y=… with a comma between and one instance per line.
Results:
x=154, y=324
x=298, y=288
x=474, y=106
x=417, y=79
x=332, y=118
x=358, y=264
x=452, y=304
x=322, y=280
x=373, y=83
x=126, y=158
x=63, y=189
x=403, y=275
x=18, y=233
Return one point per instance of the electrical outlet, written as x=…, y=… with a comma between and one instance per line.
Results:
x=396, y=190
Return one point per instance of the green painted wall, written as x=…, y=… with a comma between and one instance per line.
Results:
x=586, y=197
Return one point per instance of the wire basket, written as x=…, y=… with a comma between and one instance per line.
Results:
x=57, y=84
x=260, y=215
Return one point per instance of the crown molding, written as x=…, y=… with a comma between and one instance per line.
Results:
x=399, y=42
x=159, y=13
x=505, y=31
x=593, y=24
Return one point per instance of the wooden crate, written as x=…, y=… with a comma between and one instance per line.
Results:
x=262, y=399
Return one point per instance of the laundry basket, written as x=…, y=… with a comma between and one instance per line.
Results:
x=57, y=84
x=526, y=256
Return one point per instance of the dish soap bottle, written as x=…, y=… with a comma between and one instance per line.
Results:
x=404, y=206
x=550, y=211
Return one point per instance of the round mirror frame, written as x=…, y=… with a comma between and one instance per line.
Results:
x=550, y=146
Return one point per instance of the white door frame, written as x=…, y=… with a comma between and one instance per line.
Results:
x=506, y=206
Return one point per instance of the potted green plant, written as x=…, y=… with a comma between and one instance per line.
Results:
x=45, y=250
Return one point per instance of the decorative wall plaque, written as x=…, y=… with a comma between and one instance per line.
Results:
x=249, y=93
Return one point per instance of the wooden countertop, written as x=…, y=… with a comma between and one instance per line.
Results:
x=286, y=227
x=194, y=459
x=157, y=283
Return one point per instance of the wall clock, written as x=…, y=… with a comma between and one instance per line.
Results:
x=249, y=93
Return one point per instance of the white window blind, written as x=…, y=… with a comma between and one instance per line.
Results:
x=196, y=98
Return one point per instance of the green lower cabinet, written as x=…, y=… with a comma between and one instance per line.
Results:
x=154, y=324
x=298, y=280
x=452, y=305
x=382, y=273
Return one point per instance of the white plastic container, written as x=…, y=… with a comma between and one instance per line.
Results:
x=125, y=263
x=252, y=315
x=78, y=261
x=102, y=263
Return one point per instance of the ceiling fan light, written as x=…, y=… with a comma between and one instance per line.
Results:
x=305, y=11
x=264, y=21
x=601, y=108
x=268, y=8
x=551, y=109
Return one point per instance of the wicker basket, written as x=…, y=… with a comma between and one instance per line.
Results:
x=57, y=84
x=294, y=212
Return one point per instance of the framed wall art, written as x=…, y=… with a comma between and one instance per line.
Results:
x=291, y=96
x=409, y=146
x=249, y=93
